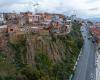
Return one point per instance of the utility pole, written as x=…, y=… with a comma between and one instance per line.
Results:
x=36, y=6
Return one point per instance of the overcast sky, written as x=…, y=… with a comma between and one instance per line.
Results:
x=82, y=8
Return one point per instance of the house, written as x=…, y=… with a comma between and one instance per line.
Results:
x=97, y=37
x=41, y=20
x=50, y=16
x=38, y=18
x=29, y=17
x=68, y=25
x=2, y=21
x=11, y=18
x=97, y=24
x=61, y=24
x=45, y=16
x=45, y=21
x=3, y=28
x=12, y=29
x=22, y=19
x=95, y=31
x=25, y=18
x=73, y=17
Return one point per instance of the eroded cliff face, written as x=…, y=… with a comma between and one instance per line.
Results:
x=54, y=48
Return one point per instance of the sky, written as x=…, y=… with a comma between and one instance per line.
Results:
x=82, y=8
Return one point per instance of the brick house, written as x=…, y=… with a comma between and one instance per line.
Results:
x=58, y=22
x=12, y=29
x=46, y=16
x=25, y=18
x=37, y=18
x=29, y=17
x=11, y=18
x=49, y=16
x=3, y=28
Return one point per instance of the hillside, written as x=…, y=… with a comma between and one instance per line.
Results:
x=41, y=57
x=95, y=19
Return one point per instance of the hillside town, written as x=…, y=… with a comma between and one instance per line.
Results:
x=49, y=40
x=42, y=28
x=36, y=23
x=28, y=23
x=26, y=38
x=42, y=24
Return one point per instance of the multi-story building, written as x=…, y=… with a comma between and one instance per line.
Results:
x=57, y=23
x=95, y=30
x=3, y=28
x=25, y=18
x=2, y=21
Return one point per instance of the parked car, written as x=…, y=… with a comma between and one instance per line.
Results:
x=93, y=41
x=89, y=37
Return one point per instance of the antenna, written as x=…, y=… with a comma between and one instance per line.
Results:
x=36, y=6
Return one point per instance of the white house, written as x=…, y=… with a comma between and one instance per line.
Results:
x=1, y=18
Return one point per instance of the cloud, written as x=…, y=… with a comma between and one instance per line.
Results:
x=83, y=8
x=93, y=9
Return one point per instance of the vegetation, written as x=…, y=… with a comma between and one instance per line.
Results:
x=45, y=68
x=20, y=50
x=73, y=42
x=7, y=71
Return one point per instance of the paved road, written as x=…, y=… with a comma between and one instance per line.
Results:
x=85, y=69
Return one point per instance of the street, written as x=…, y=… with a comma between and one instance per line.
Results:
x=86, y=69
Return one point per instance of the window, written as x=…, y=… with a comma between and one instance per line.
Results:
x=11, y=29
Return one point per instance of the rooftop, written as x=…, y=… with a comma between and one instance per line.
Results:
x=4, y=26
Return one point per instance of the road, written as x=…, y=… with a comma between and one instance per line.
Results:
x=86, y=69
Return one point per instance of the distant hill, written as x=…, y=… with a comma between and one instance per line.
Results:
x=95, y=19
